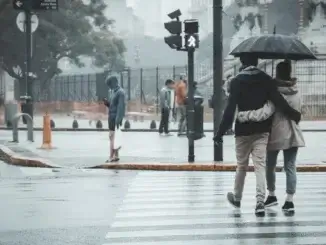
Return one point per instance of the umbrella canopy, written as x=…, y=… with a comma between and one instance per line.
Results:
x=274, y=47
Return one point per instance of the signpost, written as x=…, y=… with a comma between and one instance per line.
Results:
x=27, y=22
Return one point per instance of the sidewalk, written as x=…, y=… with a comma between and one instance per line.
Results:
x=90, y=149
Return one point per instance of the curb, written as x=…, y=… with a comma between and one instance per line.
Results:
x=198, y=167
x=11, y=158
x=129, y=130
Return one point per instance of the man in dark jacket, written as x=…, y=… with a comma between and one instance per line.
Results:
x=250, y=90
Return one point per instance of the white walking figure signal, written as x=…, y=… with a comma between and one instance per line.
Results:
x=192, y=42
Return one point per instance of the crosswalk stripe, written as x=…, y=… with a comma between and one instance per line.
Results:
x=310, y=240
x=188, y=213
x=165, y=208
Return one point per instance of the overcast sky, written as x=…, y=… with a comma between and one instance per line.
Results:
x=170, y=5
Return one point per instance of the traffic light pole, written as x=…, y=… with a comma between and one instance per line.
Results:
x=217, y=73
x=191, y=106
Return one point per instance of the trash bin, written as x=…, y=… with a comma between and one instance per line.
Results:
x=26, y=107
x=11, y=109
x=198, y=117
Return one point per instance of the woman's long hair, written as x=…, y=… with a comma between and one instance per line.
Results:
x=283, y=71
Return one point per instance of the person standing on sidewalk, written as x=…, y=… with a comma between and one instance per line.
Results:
x=165, y=105
x=181, y=96
x=285, y=135
x=250, y=90
x=116, y=105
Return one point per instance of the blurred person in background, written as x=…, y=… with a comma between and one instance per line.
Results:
x=116, y=105
x=165, y=105
x=181, y=96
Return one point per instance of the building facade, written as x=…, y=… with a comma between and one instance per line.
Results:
x=150, y=11
x=126, y=22
x=203, y=11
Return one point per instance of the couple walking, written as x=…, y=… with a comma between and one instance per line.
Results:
x=266, y=122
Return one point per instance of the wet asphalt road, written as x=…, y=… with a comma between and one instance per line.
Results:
x=78, y=207
x=42, y=207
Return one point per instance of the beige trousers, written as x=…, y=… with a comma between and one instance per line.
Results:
x=254, y=145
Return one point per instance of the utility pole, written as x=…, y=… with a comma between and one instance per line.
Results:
x=191, y=106
x=217, y=73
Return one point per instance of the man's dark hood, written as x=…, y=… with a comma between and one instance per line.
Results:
x=112, y=82
x=252, y=74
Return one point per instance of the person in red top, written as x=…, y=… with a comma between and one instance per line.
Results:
x=181, y=95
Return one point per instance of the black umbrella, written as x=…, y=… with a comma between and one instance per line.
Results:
x=274, y=46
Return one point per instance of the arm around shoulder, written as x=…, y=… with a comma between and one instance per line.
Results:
x=282, y=105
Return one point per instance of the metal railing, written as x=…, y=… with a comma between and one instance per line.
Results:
x=83, y=92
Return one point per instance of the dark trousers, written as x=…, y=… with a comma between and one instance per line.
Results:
x=164, y=124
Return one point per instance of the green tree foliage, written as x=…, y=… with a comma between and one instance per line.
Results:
x=74, y=31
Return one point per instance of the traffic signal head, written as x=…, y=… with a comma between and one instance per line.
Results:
x=191, y=26
x=191, y=41
x=174, y=41
x=174, y=27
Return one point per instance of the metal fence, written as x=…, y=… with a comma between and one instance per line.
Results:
x=142, y=86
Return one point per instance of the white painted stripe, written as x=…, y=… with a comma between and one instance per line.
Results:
x=212, y=198
x=303, y=189
x=209, y=204
x=148, y=181
x=154, y=174
x=275, y=241
x=189, y=212
x=217, y=191
x=156, y=223
x=190, y=180
x=215, y=231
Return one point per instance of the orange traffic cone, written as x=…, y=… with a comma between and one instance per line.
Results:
x=47, y=133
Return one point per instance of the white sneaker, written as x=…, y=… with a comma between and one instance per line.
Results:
x=169, y=134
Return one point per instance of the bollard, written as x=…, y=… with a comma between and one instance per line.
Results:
x=30, y=128
x=127, y=124
x=47, y=132
x=99, y=124
x=152, y=125
x=75, y=124
x=52, y=124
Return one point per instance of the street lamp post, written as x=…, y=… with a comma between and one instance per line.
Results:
x=217, y=73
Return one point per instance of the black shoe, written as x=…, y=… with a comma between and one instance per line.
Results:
x=230, y=197
x=288, y=207
x=260, y=209
x=271, y=201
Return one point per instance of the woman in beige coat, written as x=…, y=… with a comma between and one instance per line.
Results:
x=285, y=135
